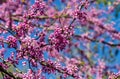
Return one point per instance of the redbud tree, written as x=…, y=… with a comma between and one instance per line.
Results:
x=67, y=39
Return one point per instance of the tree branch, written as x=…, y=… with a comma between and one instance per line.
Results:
x=8, y=73
x=95, y=40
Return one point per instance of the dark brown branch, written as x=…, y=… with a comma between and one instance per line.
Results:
x=95, y=40
x=72, y=22
x=40, y=17
x=44, y=63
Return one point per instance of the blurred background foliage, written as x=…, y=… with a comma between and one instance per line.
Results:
x=110, y=3
x=105, y=2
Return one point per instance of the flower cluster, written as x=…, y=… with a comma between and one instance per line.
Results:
x=22, y=29
x=39, y=7
x=31, y=48
x=61, y=37
x=12, y=42
x=81, y=15
x=2, y=50
x=30, y=75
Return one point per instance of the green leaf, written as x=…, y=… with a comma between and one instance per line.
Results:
x=11, y=68
x=1, y=76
